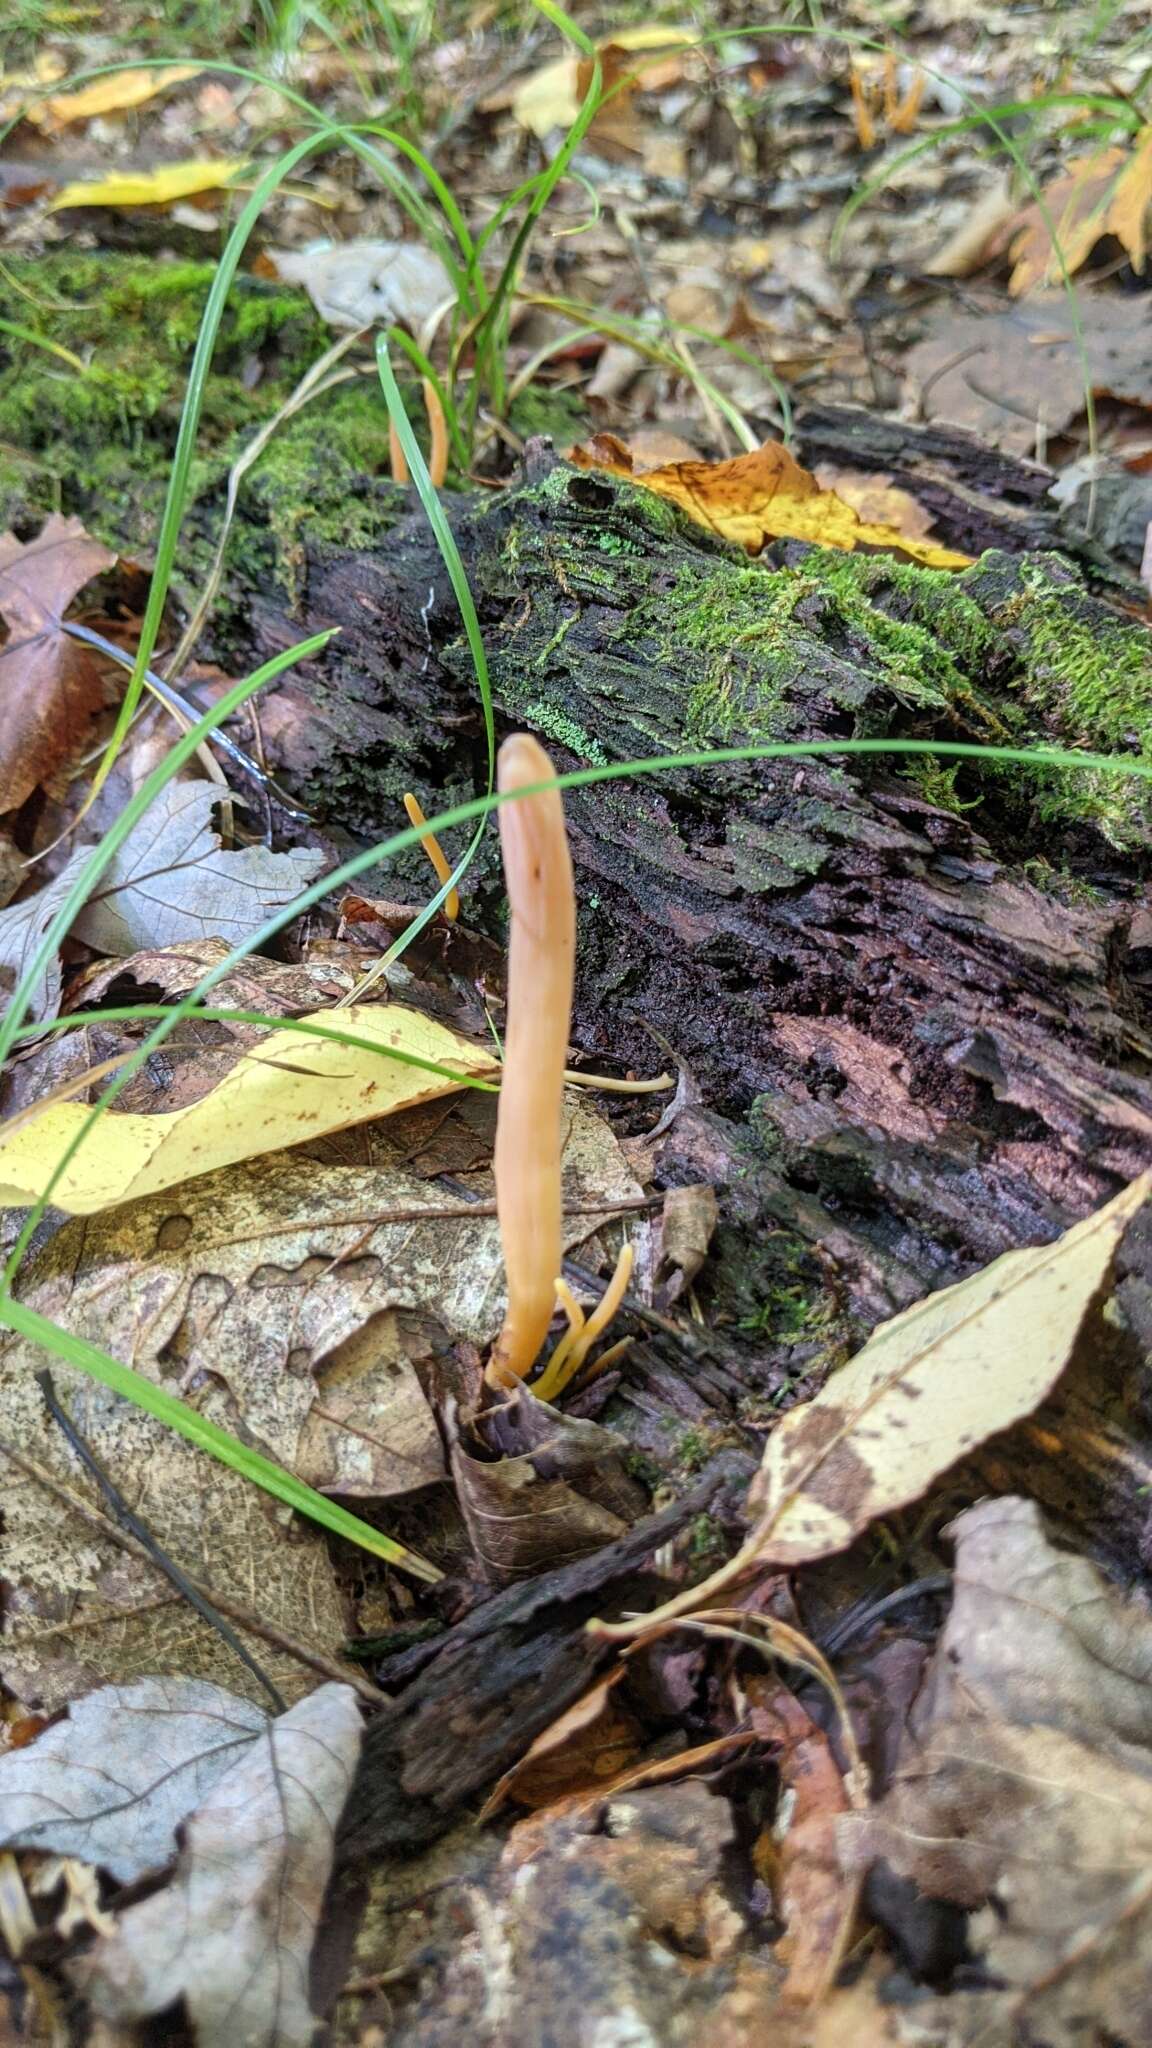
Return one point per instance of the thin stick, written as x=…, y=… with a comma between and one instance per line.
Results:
x=144, y=1536
x=316, y=1660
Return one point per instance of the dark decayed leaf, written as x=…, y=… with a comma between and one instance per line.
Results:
x=562, y=1491
x=50, y=686
x=1024, y=1791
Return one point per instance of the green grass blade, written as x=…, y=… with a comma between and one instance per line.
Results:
x=52, y=348
x=178, y=483
x=450, y=554
x=207, y=1436
x=103, y=854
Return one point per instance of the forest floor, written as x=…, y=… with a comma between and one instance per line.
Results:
x=761, y=417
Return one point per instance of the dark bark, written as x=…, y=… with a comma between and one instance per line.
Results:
x=506, y=1672
x=936, y=1059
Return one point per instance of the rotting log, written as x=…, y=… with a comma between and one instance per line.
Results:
x=931, y=1020
x=913, y=1003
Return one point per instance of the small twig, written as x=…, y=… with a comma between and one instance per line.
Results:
x=466, y=1209
x=143, y=1535
x=186, y=714
x=328, y=1667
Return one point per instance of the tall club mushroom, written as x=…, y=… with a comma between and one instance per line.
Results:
x=529, y=1136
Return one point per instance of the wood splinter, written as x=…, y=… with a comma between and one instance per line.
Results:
x=529, y=1133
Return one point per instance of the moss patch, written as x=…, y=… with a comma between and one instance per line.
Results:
x=627, y=621
x=99, y=444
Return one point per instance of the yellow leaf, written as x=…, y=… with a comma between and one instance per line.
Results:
x=552, y=97
x=113, y=94
x=762, y=496
x=1128, y=207
x=287, y=1089
x=927, y=1388
x=153, y=188
x=1077, y=205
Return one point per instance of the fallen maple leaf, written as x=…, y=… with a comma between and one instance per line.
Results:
x=290, y=1088
x=111, y=95
x=877, y=500
x=765, y=495
x=153, y=188
x=1107, y=193
x=51, y=684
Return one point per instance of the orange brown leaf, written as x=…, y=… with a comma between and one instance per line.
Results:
x=1108, y=193
x=762, y=496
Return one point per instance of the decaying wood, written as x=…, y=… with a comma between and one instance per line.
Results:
x=506, y=1672
x=945, y=1059
x=907, y=1056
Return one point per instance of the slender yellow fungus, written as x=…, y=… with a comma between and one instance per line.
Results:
x=436, y=855
x=529, y=1139
x=576, y=1343
x=396, y=457
x=541, y=961
x=438, y=444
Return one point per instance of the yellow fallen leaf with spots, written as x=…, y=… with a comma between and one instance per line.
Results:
x=112, y=94
x=929, y=1386
x=291, y=1087
x=765, y=495
x=153, y=188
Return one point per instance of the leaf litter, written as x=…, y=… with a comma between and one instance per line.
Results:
x=231, y=1934
x=713, y=1822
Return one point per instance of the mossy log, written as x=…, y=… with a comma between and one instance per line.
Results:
x=923, y=991
x=911, y=1003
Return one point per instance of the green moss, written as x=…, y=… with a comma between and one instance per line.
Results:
x=545, y=409
x=555, y=725
x=1098, y=685
x=100, y=444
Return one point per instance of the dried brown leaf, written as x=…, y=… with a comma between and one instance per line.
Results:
x=564, y=1494
x=1024, y=1790
x=51, y=684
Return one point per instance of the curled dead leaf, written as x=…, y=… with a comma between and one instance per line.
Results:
x=928, y=1386
x=559, y=1492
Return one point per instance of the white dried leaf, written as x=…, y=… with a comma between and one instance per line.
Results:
x=369, y=284
x=171, y=880
x=232, y=1933
x=113, y=1781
